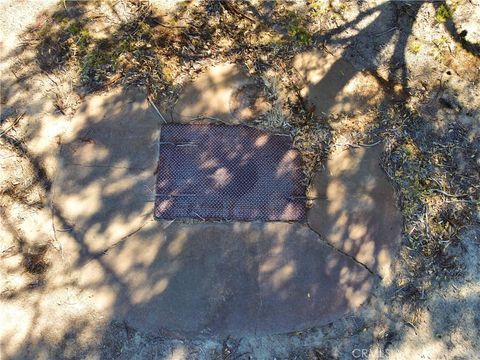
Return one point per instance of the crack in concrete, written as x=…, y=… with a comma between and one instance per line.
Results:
x=345, y=254
x=99, y=254
x=107, y=166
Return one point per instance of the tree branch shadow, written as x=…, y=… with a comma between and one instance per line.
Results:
x=167, y=264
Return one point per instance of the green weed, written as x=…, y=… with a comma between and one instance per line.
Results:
x=415, y=46
x=296, y=30
x=444, y=13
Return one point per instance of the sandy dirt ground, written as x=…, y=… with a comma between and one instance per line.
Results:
x=405, y=74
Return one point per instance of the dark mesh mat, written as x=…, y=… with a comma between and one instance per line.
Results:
x=228, y=172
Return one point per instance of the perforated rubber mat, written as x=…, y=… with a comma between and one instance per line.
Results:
x=226, y=172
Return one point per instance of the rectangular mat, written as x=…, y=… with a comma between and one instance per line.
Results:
x=225, y=172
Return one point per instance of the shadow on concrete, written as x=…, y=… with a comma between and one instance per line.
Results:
x=191, y=277
x=158, y=276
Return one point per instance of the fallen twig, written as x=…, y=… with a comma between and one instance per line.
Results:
x=13, y=124
x=372, y=144
x=156, y=109
x=232, y=8
x=201, y=218
x=360, y=145
x=448, y=194
x=386, y=32
x=427, y=227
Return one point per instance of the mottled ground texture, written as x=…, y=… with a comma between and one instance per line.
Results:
x=380, y=101
x=190, y=278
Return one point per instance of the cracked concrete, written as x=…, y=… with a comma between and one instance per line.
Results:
x=108, y=158
x=447, y=329
x=183, y=277
x=355, y=209
x=223, y=278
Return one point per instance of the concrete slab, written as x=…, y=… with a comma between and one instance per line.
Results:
x=334, y=86
x=108, y=158
x=355, y=208
x=220, y=279
x=303, y=281
x=163, y=277
x=217, y=93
